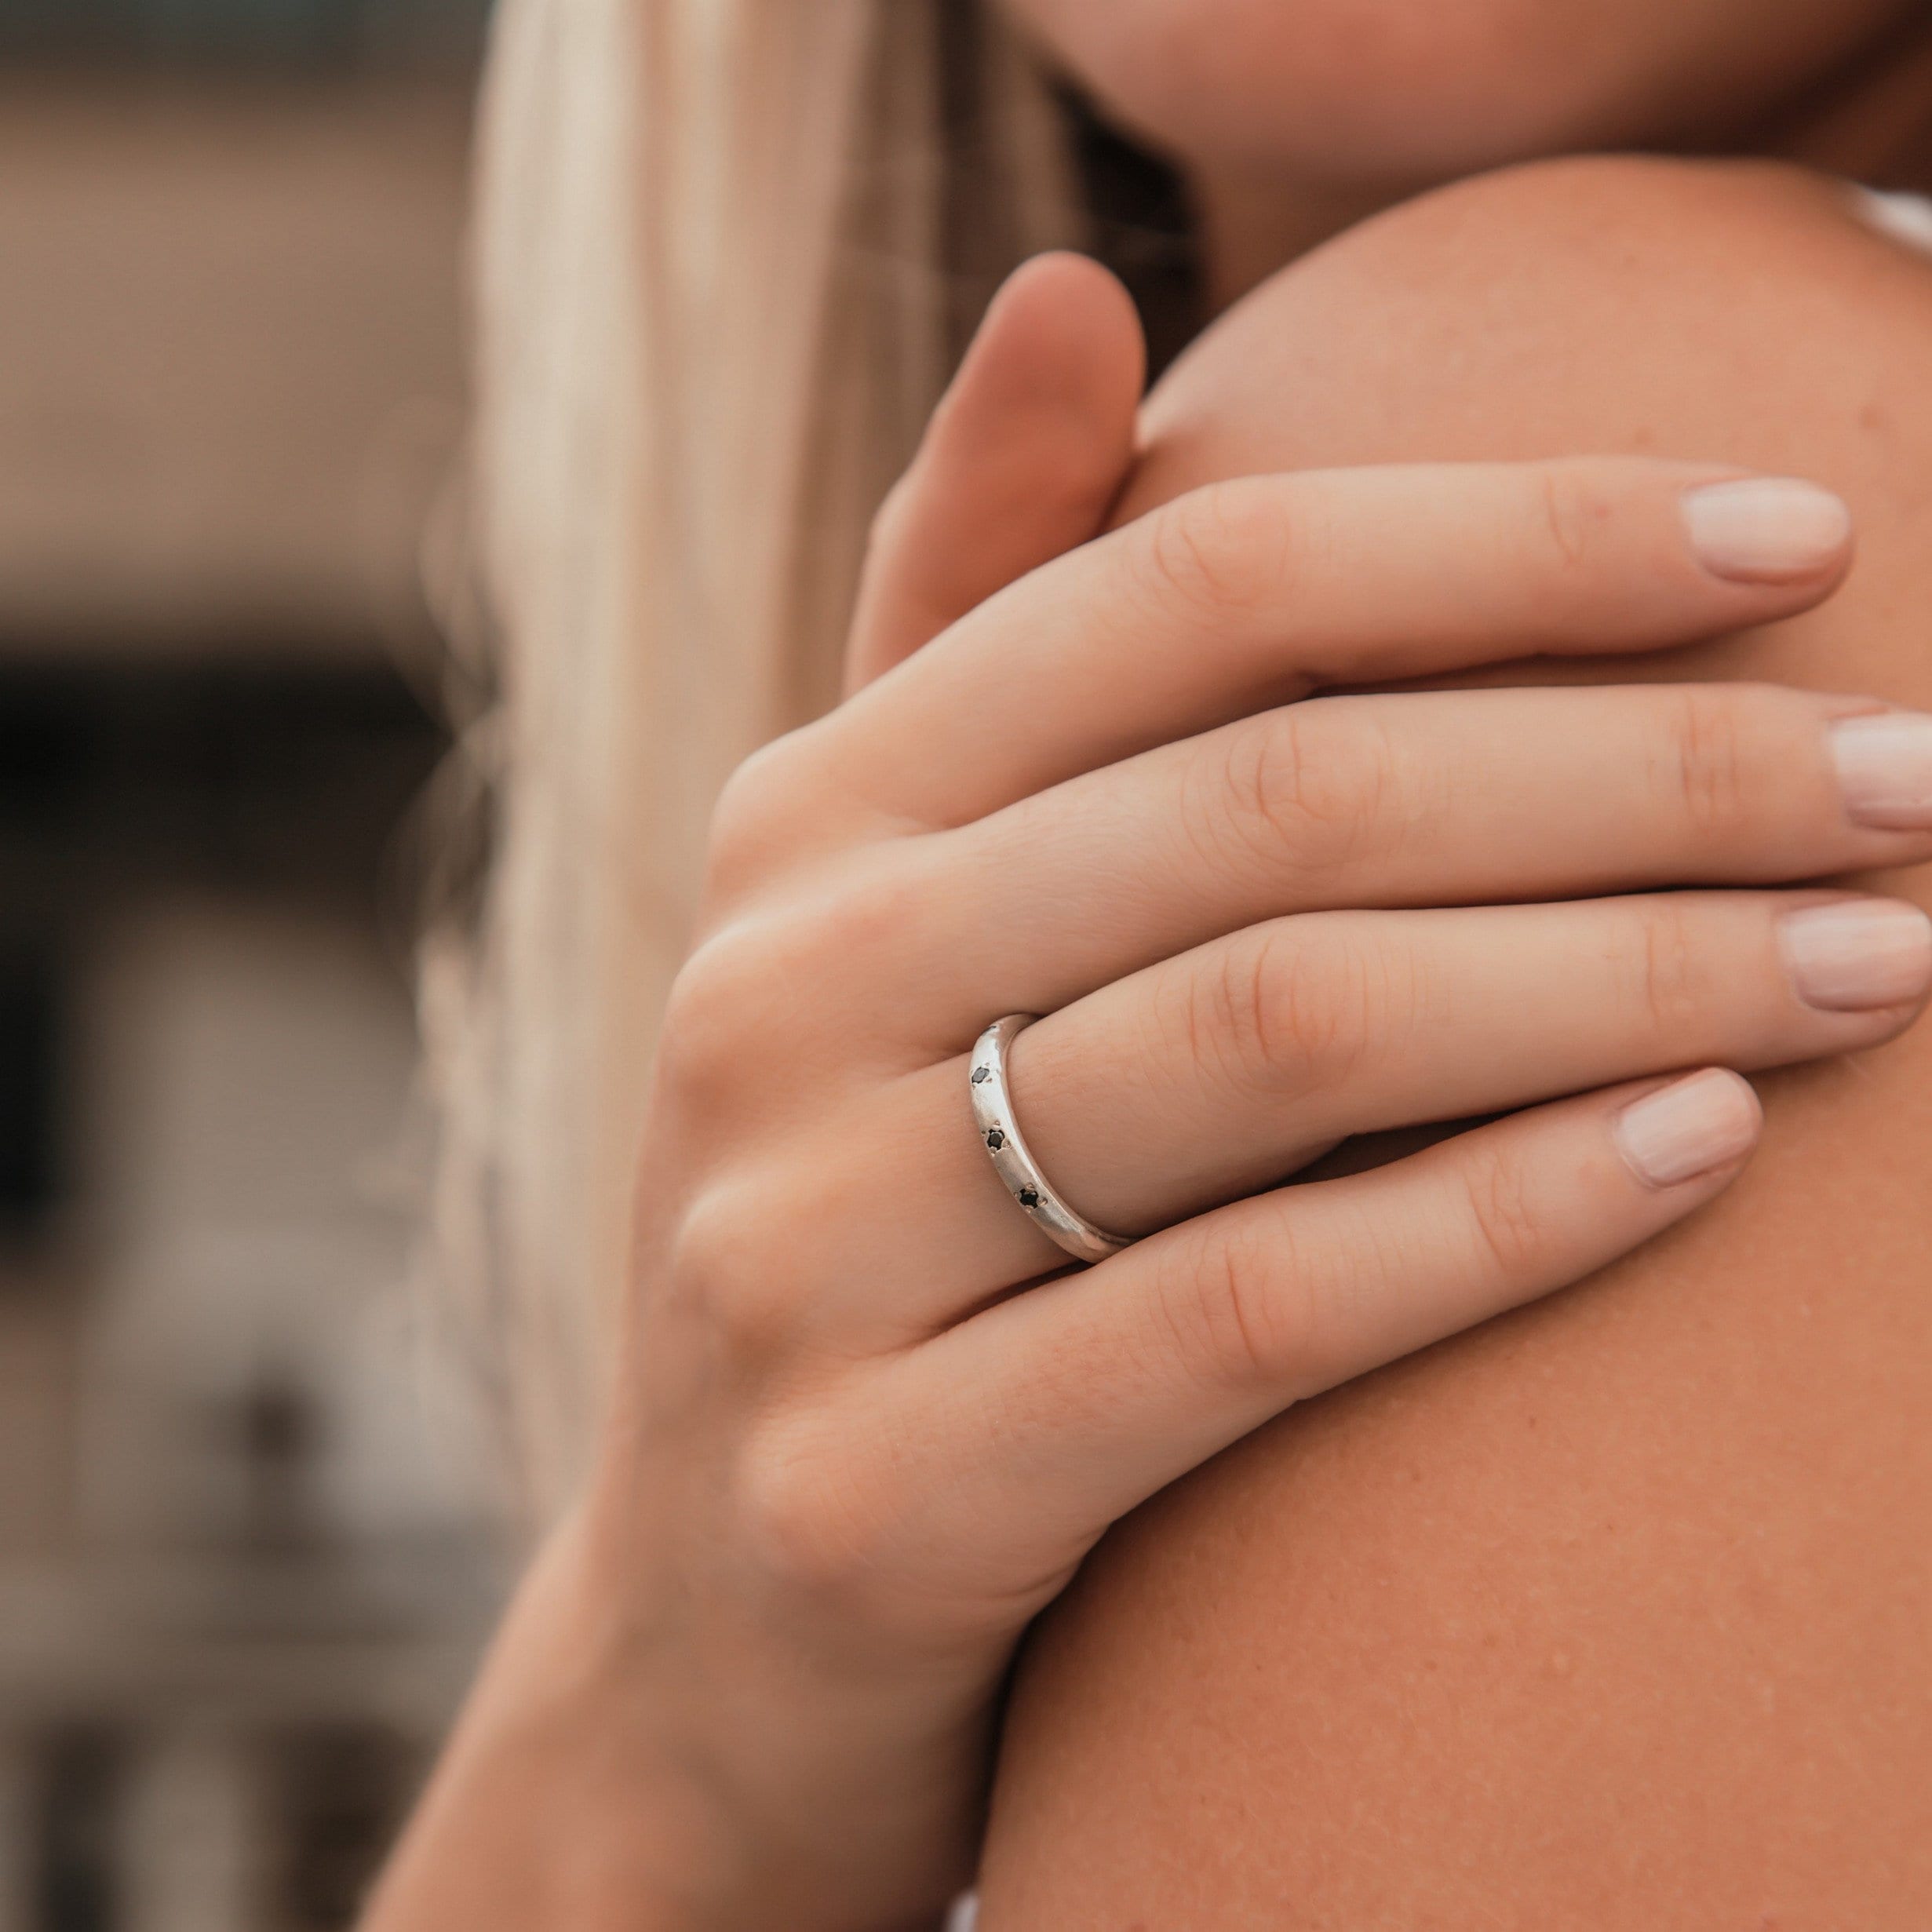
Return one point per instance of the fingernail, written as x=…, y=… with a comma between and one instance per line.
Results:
x=1704, y=1121
x=1855, y=954
x=1765, y=530
x=1884, y=769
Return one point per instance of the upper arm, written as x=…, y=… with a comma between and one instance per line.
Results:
x=1617, y=1612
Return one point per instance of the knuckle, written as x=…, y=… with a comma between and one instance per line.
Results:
x=1295, y=791
x=1273, y=1311
x=867, y=916
x=1504, y=1216
x=1224, y=551
x=741, y=989
x=733, y=1267
x=764, y=809
x=749, y=822
x=1278, y=1008
x=1673, y=978
x=1262, y=1312
x=1574, y=505
x=787, y=1500
x=816, y=1515
x=1708, y=765
x=1238, y=1315
x=1230, y=1023
x=711, y=1014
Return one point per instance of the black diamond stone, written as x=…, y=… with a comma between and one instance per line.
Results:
x=995, y=1139
x=1030, y=1197
x=981, y=1075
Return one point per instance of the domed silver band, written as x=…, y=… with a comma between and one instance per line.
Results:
x=1012, y=1160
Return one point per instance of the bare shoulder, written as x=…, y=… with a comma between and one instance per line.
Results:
x=1744, y=312
x=1616, y=1613
x=1633, y=302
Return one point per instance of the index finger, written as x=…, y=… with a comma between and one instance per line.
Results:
x=1258, y=592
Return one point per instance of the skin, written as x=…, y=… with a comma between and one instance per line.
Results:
x=756, y=1679
x=1618, y=1611
x=1291, y=119
x=1369, y=90
x=757, y=1675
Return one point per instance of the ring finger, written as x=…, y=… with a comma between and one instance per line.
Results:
x=1213, y=1075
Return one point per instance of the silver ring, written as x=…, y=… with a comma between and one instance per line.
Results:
x=1012, y=1159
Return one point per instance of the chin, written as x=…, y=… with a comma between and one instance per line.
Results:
x=1417, y=91
x=1374, y=88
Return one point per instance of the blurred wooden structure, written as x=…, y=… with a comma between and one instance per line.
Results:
x=245, y=1547
x=230, y=327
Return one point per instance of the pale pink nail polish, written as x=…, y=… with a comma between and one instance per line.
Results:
x=1853, y=955
x=1765, y=530
x=1704, y=1121
x=1884, y=767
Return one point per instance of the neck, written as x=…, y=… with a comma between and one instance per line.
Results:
x=1253, y=224
x=1873, y=123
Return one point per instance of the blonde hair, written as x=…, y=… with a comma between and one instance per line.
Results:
x=723, y=267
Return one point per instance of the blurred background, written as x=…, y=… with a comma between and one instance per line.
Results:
x=246, y=1525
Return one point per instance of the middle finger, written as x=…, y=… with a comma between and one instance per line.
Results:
x=1411, y=799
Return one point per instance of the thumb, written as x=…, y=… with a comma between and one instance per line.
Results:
x=1024, y=456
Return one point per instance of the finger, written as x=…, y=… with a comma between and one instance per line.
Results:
x=1255, y=593
x=1239, y=1062
x=1058, y=1410
x=1216, y=1073
x=1022, y=459
x=1414, y=798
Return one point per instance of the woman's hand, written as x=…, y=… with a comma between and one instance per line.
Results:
x=866, y=1422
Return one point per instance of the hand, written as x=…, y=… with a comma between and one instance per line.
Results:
x=867, y=1424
